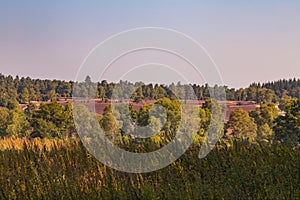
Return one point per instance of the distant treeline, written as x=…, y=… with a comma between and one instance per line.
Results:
x=23, y=90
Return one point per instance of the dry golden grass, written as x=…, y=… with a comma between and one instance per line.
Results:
x=48, y=144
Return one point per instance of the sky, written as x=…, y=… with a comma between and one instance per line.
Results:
x=249, y=41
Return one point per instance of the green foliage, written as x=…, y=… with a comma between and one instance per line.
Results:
x=242, y=125
x=174, y=113
x=13, y=123
x=143, y=115
x=4, y=121
x=205, y=116
x=138, y=94
x=109, y=124
x=287, y=128
x=211, y=117
x=264, y=132
x=31, y=107
x=265, y=95
x=85, y=121
x=101, y=92
x=52, y=120
x=12, y=104
x=26, y=89
x=264, y=117
x=69, y=125
x=18, y=125
x=24, y=96
x=265, y=114
x=51, y=95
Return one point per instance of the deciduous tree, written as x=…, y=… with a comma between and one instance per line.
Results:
x=242, y=125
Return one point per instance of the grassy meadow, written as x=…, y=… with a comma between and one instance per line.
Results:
x=63, y=169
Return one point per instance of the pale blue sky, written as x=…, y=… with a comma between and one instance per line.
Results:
x=248, y=40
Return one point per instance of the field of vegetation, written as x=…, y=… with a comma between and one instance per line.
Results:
x=55, y=169
x=41, y=156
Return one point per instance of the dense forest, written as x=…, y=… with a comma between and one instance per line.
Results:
x=23, y=90
x=53, y=120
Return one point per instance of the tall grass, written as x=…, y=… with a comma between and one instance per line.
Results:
x=21, y=143
x=56, y=169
